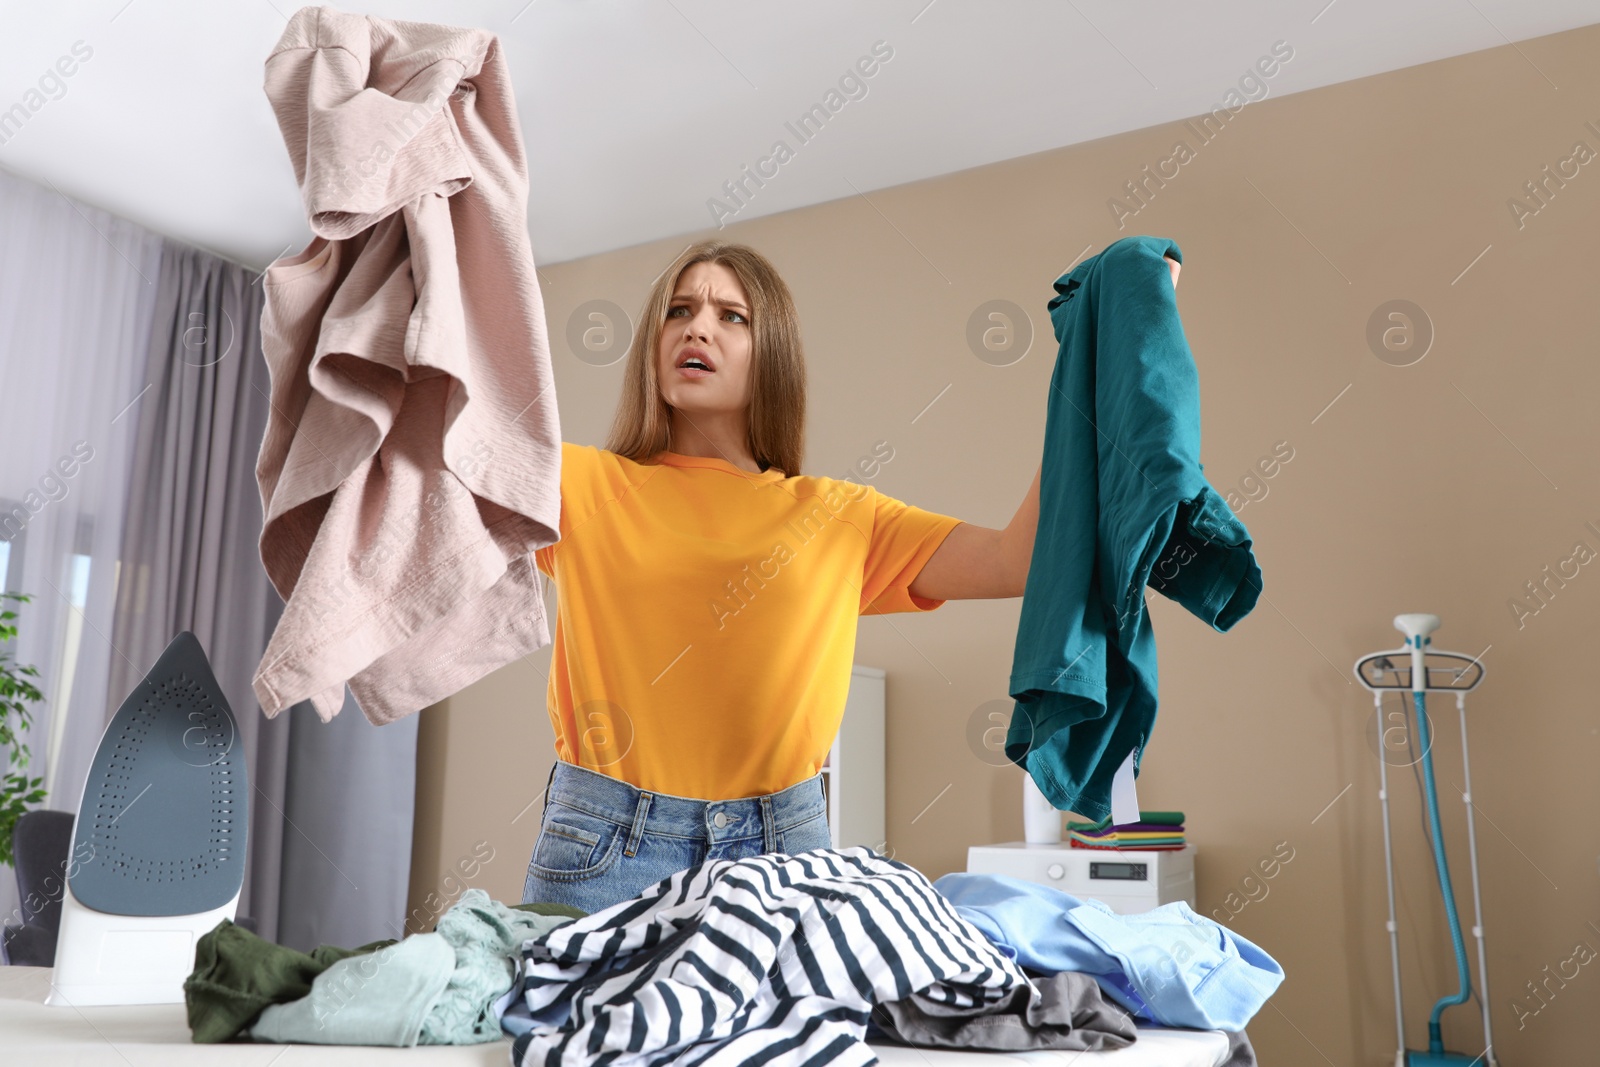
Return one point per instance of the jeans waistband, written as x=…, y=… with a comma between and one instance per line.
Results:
x=644, y=811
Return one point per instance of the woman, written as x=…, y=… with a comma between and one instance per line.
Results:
x=708, y=595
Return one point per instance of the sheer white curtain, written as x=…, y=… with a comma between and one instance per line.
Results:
x=120, y=450
x=77, y=287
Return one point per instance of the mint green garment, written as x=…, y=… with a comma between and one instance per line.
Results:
x=437, y=988
x=381, y=998
x=237, y=974
x=1123, y=504
x=487, y=937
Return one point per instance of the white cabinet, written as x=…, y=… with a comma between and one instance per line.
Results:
x=853, y=772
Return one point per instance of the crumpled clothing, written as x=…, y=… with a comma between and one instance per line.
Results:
x=775, y=958
x=435, y=988
x=1124, y=504
x=237, y=974
x=411, y=463
x=1069, y=1012
x=488, y=938
x=1169, y=965
x=377, y=999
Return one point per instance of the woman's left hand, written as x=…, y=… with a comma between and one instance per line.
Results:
x=1174, y=266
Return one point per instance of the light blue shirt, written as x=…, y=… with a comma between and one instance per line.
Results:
x=1169, y=965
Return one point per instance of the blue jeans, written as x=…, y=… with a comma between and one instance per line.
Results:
x=603, y=840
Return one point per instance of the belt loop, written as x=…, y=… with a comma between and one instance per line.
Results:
x=638, y=824
x=548, y=782
x=769, y=833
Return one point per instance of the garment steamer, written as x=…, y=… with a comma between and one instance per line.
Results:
x=1430, y=671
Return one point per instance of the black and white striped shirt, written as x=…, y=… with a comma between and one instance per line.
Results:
x=776, y=959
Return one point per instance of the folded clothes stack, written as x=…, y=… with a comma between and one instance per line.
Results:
x=1155, y=830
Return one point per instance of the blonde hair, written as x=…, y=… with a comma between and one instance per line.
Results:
x=777, y=414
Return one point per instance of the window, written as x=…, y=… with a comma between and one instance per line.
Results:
x=76, y=586
x=13, y=529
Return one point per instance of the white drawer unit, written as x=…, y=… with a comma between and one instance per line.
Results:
x=1128, y=882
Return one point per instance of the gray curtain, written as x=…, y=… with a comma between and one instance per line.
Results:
x=331, y=806
x=350, y=795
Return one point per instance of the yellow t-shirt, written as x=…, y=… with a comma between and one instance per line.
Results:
x=706, y=615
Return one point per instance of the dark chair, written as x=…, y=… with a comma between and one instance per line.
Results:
x=40, y=844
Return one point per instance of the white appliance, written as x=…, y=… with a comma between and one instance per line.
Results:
x=1127, y=881
x=159, y=842
x=1041, y=820
x=852, y=772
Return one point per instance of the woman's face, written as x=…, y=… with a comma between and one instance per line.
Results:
x=708, y=320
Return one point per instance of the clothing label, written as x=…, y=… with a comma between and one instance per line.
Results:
x=1124, y=798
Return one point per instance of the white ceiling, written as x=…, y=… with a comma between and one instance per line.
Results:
x=635, y=113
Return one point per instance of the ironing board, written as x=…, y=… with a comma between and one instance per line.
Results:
x=1156, y=1047
x=157, y=1035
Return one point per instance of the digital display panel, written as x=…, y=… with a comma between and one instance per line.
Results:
x=1120, y=872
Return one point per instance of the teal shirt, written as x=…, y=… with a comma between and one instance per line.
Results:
x=1123, y=503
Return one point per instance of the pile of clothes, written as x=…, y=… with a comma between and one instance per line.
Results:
x=1155, y=831
x=436, y=988
x=803, y=958
x=1169, y=965
x=787, y=958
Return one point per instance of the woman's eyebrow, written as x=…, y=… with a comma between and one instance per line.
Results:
x=690, y=297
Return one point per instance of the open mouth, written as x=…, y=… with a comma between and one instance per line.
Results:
x=694, y=364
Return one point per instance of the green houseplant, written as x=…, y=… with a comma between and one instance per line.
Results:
x=17, y=791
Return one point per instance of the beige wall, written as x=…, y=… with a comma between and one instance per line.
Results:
x=1443, y=486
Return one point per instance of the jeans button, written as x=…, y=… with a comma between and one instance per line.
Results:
x=720, y=819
